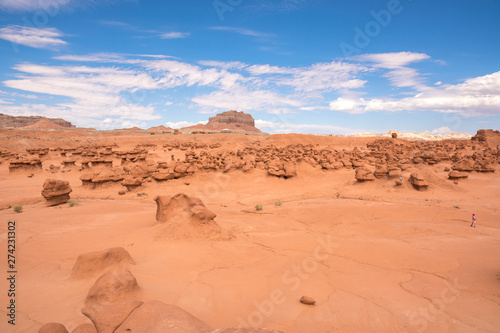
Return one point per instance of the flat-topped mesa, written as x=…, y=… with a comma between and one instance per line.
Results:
x=22, y=121
x=233, y=117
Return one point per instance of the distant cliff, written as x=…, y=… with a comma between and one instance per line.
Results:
x=233, y=117
x=229, y=120
x=23, y=121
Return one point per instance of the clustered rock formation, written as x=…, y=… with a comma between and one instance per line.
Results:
x=381, y=159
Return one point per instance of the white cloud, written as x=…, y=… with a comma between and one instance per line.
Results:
x=4, y=102
x=244, y=98
x=40, y=38
x=181, y=124
x=51, y=7
x=242, y=31
x=439, y=131
x=318, y=77
x=175, y=35
x=474, y=97
x=398, y=74
x=223, y=64
x=282, y=128
x=33, y=5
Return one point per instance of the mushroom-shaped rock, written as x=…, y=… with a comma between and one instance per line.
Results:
x=89, y=264
x=381, y=171
x=454, y=175
x=53, y=328
x=464, y=165
x=131, y=183
x=364, y=175
x=56, y=192
x=418, y=181
x=158, y=317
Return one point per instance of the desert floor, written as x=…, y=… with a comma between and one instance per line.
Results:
x=375, y=257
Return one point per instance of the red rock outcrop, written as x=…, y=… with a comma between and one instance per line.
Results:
x=158, y=317
x=89, y=264
x=181, y=216
x=56, y=192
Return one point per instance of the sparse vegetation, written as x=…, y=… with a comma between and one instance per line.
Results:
x=258, y=207
x=18, y=209
x=455, y=206
x=278, y=203
x=141, y=194
x=73, y=203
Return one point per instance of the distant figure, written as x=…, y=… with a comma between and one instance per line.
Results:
x=401, y=178
x=473, y=220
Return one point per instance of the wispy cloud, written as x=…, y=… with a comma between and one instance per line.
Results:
x=399, y=73
x=223, y=64
x=279, y=5
x=117, y=24
x=174, y=35
x=50, y=7
x=243, y=31
x=40, y=38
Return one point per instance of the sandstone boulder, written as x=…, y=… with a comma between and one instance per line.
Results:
x=92, y=263
x=363, y=175
x=56, y=192
x=158, y=317
x=418, y=181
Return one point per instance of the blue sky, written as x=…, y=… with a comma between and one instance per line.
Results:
x=303, y=66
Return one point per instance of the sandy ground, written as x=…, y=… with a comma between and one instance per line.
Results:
x=376, y=258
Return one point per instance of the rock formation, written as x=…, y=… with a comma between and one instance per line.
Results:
x=232, y=117
x=22, y=121
x=181, y=216
x=56, y=192
x=418, y=181
x=89, y=264
x=229, y=120
x=158, y=317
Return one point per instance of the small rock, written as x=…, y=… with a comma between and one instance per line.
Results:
x=307, y=300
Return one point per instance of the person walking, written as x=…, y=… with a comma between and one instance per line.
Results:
x=473, y=220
